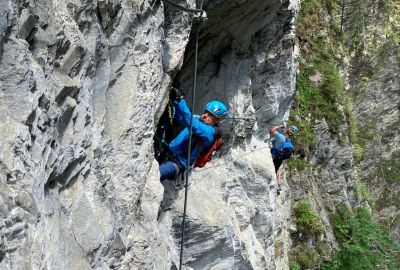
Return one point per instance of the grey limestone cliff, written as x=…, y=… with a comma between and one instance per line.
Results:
x=358, y=164
x=82, y=86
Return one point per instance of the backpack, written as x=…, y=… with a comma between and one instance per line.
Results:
x=285, y=152
x=206, y=155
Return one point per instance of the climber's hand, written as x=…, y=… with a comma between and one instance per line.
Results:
x=176, y=94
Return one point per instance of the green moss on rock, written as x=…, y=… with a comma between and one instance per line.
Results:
x=360, y=237
x=307, y=221
x=389, y=169
x=304, y=257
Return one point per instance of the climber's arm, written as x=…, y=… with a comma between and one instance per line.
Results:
x=182, y=116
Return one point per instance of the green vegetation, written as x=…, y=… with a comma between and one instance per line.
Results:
x=366, y=48
x=306, y=137
x=364, y=244
x=392, y=27
x=297, y=163
x=387, y=199
x=322, y=100
x=278, y=247
x=362, y=192
x=387, y=173
x=358, y=25
x=351, y=121
x=362, y=238
x=333, y=5
x=304, y=257
x=295, y=266
x=307, y=220
x=358, y=152
x=365, y=132
x=309, y=226
x=361, y=9
x=321, y=93
x=389, y=169
x=310, y=17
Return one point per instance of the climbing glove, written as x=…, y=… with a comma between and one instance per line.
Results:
x=176, y=95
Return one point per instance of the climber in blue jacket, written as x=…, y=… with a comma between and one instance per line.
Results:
x=282, y=148
x=282, y=144
x=203, y=130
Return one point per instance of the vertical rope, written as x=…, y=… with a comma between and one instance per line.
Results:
x=190, y=142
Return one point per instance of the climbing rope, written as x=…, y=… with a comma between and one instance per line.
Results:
x=202, y=15
x=226, y=161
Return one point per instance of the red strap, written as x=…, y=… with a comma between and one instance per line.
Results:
x=205, y=156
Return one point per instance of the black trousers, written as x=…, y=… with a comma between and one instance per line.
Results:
x=277, y=163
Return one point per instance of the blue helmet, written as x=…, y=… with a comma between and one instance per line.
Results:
x=217, y=108
x=293, y=129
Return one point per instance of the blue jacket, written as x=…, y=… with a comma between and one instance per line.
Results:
x=279, y=140
x=179, y=145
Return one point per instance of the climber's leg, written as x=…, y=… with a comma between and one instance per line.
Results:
x=168, y=170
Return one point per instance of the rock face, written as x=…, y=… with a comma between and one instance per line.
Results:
x=377, y=109
x=379, y=167
x=82, y=86
x=362, y=169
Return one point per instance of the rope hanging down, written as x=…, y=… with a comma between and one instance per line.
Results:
x=189, y=147
x=202, y=16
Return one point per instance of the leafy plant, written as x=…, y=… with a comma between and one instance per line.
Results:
x=304, y=257
x=278, y=247
x=297, y=163
x=362, y=192
x=392, y=27
x=388, y=169
x=320, y=89
x=306, y=220
x=360, y=237
x=295, y=266
x=358, y=152
x=310, y=16
x=387, y=173
x=323, y=100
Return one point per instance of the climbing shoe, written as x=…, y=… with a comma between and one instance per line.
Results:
x=278, y=190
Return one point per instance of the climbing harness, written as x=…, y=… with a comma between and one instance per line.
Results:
x=171, y=113
x=164, y=134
